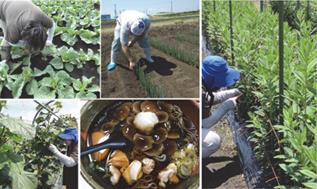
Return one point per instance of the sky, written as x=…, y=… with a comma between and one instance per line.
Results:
x=26, y=108
x=149, y=6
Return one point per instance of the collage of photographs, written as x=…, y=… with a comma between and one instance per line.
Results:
x=158, y=94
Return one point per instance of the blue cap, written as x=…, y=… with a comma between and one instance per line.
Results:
x=216, y=73
x=69, y=134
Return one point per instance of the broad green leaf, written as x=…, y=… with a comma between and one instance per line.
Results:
x=69, y=67
x=69, y=39
x=20, y=179
x=309, y=173
x=89, y=37
x=66, y=93
x=18, y=127
x=46, y=82
x=63, y=77
x=38, y=73
x=31, y=87
x=312, y=185
x=77, y=84
x=84, y=95
x=45, y=92
x=94, y=88
x=57, y=63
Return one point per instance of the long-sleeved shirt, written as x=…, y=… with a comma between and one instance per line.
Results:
x=223, y=97
x=125, y=21
x=15, y=15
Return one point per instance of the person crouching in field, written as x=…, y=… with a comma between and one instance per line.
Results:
x=216, y=74
x=133, y=23
x=24, y=25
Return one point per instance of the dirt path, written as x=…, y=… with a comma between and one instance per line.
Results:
x=120, y=82
x=176, y=78
x=222, y=169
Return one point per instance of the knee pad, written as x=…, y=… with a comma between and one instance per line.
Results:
x=211, y=142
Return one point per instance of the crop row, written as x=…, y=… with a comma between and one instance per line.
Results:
x=152, y=90
x=174, y=51
x=290, y=149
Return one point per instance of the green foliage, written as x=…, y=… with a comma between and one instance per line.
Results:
x=152, y=90
x=79, y=27
x=174, y=51
x=25, y=161
x=290, y=148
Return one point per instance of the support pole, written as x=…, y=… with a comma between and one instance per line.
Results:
x=281, y=61
x=231, y=32
x=214, y=5
x=261, y=5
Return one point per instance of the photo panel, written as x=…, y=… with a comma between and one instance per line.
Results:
x=140, y=144
x=50, y=49
x=150, y=49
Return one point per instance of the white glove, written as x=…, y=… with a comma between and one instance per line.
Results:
x=48, y=43
x=53, y=149
x=221, y=96
x=219, y=112
x=67, y=161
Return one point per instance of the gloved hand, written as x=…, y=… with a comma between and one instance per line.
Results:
x=130, y=44
x=132, y=65
x=67, y=161
x=222, y=96
x=48, y=43
x=53, y=149
x=219, y=112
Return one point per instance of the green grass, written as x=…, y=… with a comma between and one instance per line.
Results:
x=190, y=13
x=188, y=38
x=151, y=89
x=175, y=52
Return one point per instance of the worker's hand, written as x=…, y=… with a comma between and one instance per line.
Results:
x=53, y=148
x=130, y=44
x=237, y=93
x=48, y=43
x=132, y=65
x=232, y=102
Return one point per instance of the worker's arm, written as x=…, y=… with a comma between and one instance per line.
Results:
x=50, y=34
x=67, y=161
x=136, y=38
x=222, y=96
x=127, y=52
x=124, y=39
x=133, y=41
x=219, y=112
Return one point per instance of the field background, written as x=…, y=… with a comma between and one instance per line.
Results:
x=174, y=40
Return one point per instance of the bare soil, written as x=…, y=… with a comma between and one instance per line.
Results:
x=174, y=77
x=89, y=68
x=222, y=170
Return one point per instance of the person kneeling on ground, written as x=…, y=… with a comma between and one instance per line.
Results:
x=24, y=25
x=216, y=74
x=133, y=23
x=70, y=159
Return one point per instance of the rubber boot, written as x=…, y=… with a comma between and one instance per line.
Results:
x=115, y=47
x=112, y=65
x=148, y=54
